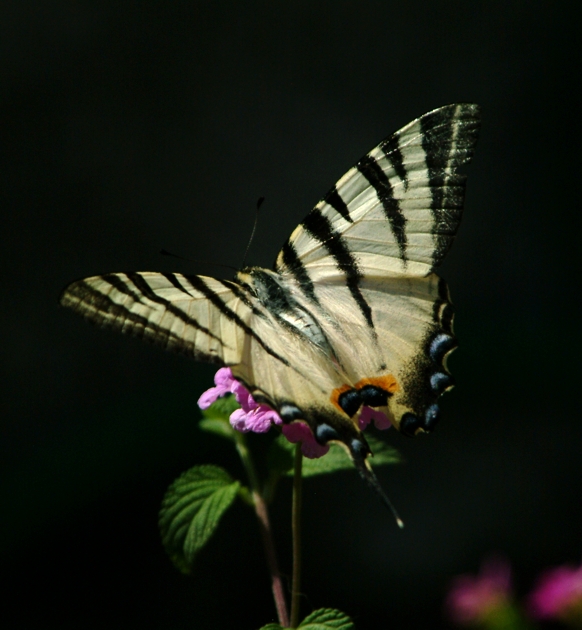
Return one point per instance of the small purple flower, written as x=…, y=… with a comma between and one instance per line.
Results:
x=475, y=598
x=224, y=381
x=299, y=431
x=557, y=595
x=258, y=418
x=368, y=414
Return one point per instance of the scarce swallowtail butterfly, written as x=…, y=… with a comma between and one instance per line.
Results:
x=352, y=314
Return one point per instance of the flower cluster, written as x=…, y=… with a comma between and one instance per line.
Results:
x=485, y=600
x=258, y=418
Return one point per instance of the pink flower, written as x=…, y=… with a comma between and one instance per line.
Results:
x=557, y=594
x=258, y=418
x=368, y=414
x=299, y=431
x=224, y=382
x=474, y=598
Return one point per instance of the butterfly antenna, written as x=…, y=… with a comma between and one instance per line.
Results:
x=165, y=252
x=370, y=478
x=259, y=204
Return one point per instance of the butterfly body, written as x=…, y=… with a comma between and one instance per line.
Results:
x=352, y=316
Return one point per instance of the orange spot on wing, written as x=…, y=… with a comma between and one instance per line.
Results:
x=388, y=383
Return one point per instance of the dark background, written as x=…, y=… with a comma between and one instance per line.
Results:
x=127, y=127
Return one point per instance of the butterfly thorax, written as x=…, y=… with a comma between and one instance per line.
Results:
x=275, y=295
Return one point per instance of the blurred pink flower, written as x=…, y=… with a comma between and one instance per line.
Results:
x=475, y=598
x=557, y=595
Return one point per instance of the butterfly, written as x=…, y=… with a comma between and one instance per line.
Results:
x=351, y=316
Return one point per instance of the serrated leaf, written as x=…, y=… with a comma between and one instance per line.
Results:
x=327, y=619
x=191, y=510
x=218, y=426
x=221, y=408
x=337, y=458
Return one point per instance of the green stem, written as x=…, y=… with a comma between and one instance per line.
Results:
x=265, y=527
x=296, y=520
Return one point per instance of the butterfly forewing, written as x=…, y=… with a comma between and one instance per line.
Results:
x=397, y=210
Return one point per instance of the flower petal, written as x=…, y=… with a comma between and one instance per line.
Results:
x=368, y=414
x=259, y=420
x=209, y=396
x=557, y=592
x=224, y=378
x=474, y=597
x=299, y=431
x=238, y=420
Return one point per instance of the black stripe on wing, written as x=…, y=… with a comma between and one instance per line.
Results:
x=292, y=261
x=373, y=172
x=241, y=294
x=334, y=199
x=96, y=306
x=117, y=283
x=144, y=288
x=198, y=283
x=173, y=279
x=320, y=228
x=449, y=135
x=393, y=153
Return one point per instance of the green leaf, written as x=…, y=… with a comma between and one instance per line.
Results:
x=191, y=509
x=221, y=408
x=218, y=426
x=335, y=459
x=272, y=626
x=326, y=619
x=384, y=454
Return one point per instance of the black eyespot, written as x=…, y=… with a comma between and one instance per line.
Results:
x=439, y=346
x=374, y=396
x=350, y=401
x=324, y=433
x=409, y=424
x=439, y=381
x=431, y=417
x=289, y=412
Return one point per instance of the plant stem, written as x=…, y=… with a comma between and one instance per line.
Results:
x=296, y=526
x=266, y=531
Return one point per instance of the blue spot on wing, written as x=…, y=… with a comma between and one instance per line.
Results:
x=440, y=345
x=439, y=381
